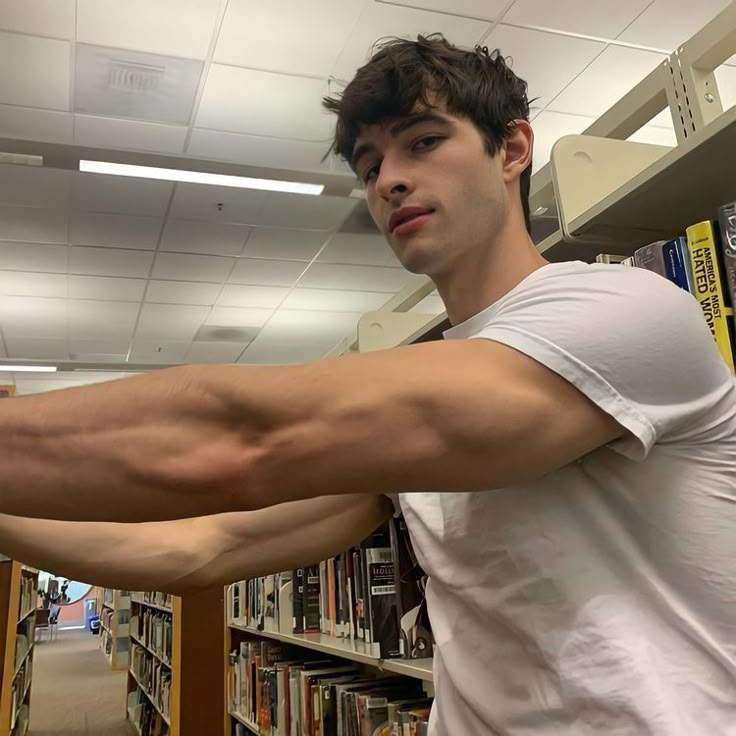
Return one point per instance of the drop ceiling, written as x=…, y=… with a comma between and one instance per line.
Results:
x=99, y=270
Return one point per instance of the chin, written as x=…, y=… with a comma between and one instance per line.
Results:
x=424, y=261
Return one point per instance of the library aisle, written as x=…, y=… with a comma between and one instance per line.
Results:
x=74, y=691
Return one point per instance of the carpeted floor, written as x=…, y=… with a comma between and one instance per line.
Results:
x=74, y=692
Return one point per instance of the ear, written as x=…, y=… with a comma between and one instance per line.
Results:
x=518, y=148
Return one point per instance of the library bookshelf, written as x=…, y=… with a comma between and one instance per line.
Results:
x=339, y=651
x=115, y=627
x=18, y=599
x=174, y=678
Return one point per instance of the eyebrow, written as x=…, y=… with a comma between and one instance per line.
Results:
x=399, y=127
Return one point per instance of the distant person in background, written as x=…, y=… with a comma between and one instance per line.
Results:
x=565, y=460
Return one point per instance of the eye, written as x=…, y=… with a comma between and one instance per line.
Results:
x=426, y=143
x=371, y=173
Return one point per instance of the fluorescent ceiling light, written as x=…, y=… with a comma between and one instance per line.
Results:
x=27, y=368
x=199, y=177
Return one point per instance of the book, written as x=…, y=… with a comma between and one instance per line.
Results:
x=415, y=633
x=710, y=289
x=727, y=228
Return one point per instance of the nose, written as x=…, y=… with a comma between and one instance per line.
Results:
x=394, y=182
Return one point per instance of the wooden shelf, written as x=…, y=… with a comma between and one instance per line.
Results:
x=20, y=705
x=141, y=602
x=19, y=666
x=27, y=614
x=348, y=649
x=242, y=719
x=150, y=651
x=150, y=698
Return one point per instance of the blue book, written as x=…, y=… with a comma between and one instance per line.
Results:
x=685, y=279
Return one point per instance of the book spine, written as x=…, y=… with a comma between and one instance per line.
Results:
x=727, y=228
x=312, y=608
x=674, y=265
x=709, y=286
x=298, y=601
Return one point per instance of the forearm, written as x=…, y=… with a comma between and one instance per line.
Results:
x=123, y=556
x=170, y=444
x=192, y=554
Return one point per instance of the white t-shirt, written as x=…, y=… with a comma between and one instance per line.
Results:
x=600, y=599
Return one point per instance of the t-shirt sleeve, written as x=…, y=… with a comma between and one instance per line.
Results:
x=632, y=342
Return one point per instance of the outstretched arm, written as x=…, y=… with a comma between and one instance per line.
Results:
x=190, y=554
x=196, y=440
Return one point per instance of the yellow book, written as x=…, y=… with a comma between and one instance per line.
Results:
x=708, y=285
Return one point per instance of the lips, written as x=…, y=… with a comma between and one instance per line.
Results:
x=404, y=215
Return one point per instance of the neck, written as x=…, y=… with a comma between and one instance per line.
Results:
x=481, y=276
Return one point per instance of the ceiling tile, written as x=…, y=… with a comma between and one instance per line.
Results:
x=28, y=123
x=261, y=272
x=334, y=300
x=271, y=153
x=235, y=317
x=170, y=321
x=380, y=20
x=366, y=250
x=665, y=24
x=33, y=257
x=205, y=238
x=655, y=135
x=726, y=80
x=549, y=127
x=304, y=211
x=34, y=349
x=295, y=245
x=200, y=202
x=123, y=195
x=606, y=80
x=366, y=278
x=24, y=283
x=215, y=352
x=529, y=53
x=100, y=320
x=663, y=119
x=288, y=107
x=128, y=134
x=483, y=9
x=182, y=292
x=102, y=350
x=159, y=351
x=38, y=17
x=34, y=72
x=268, y=350
x=114, y=231
x=33, y=224
x=102, y=287
x=188, y=267
x=109, y=262
x=605, y=20
x=33, y=317
x=272, y=37
x=267, y=297
x=34, y=186
x=176, y=27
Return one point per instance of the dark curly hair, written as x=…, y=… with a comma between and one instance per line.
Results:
x=402, y=75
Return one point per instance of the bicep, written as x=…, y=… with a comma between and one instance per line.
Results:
x=512, y=419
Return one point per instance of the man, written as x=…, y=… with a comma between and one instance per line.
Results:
x=565, y=459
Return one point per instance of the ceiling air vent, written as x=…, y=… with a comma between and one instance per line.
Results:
x=214, y=333
x=133, y=84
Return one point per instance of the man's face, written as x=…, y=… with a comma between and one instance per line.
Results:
x=432, y=189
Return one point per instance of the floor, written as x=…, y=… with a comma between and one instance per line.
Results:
x=73, y=690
